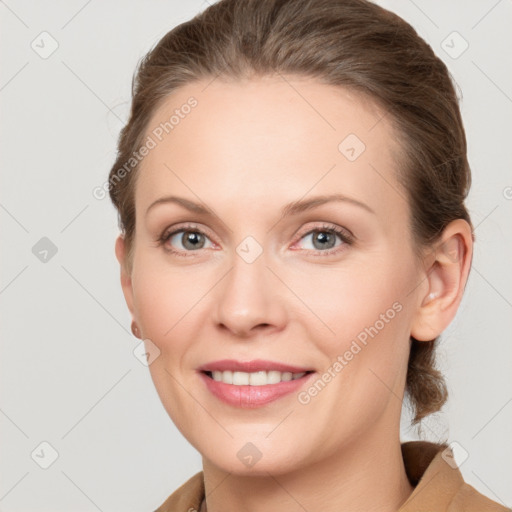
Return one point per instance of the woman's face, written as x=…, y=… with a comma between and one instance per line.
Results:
x=268, y=273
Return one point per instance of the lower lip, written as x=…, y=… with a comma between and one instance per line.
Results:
x=249, y=397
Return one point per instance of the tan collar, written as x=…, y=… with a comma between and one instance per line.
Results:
x=435, y=482
x=438, y=482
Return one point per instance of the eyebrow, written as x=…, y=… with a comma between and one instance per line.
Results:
x=292, y=208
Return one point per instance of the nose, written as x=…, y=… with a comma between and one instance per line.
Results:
x=250, y=299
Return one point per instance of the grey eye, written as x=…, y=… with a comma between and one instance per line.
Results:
x=189, y=239
x=322, y=239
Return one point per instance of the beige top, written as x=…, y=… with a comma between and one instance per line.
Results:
x=438, y=485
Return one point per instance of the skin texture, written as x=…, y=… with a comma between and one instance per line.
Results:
x=245, y=151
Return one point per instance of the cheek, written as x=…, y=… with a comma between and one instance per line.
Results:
x=165, y=304
x=169, y=303
x=366, y=310
x=349, y=300
x=366, y=347
x=155, y=304
x=162, y=299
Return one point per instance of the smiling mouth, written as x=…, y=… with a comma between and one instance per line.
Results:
x=261, y=378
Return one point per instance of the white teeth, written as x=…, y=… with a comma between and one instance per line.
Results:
x=257, y=378
x=273, y=377
x=254, y=378
x=240, y=378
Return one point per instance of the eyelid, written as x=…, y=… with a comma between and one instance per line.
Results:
x=186, y=226
x=341, y=231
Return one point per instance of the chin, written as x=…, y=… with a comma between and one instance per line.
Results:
x=262, y=468
x=253, y=458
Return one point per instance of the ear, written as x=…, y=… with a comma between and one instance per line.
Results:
x=446, y=276
x=126, y=280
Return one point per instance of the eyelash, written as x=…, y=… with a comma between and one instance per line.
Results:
x=346, y=237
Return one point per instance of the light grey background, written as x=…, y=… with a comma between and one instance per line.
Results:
x=68, y=374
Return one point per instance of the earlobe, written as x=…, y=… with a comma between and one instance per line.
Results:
x=446, y=278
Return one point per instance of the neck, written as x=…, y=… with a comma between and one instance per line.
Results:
x=366, y=475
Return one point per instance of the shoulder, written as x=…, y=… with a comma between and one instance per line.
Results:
x=187, y=498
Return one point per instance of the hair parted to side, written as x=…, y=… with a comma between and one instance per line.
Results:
x=353, y=44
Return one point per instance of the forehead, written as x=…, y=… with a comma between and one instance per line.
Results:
x=269, y=137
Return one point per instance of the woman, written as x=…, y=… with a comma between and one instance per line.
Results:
x=290, y=188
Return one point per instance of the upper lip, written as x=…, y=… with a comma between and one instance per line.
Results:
x=256, y=365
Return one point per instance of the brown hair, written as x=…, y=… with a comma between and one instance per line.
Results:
x=350, y=43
